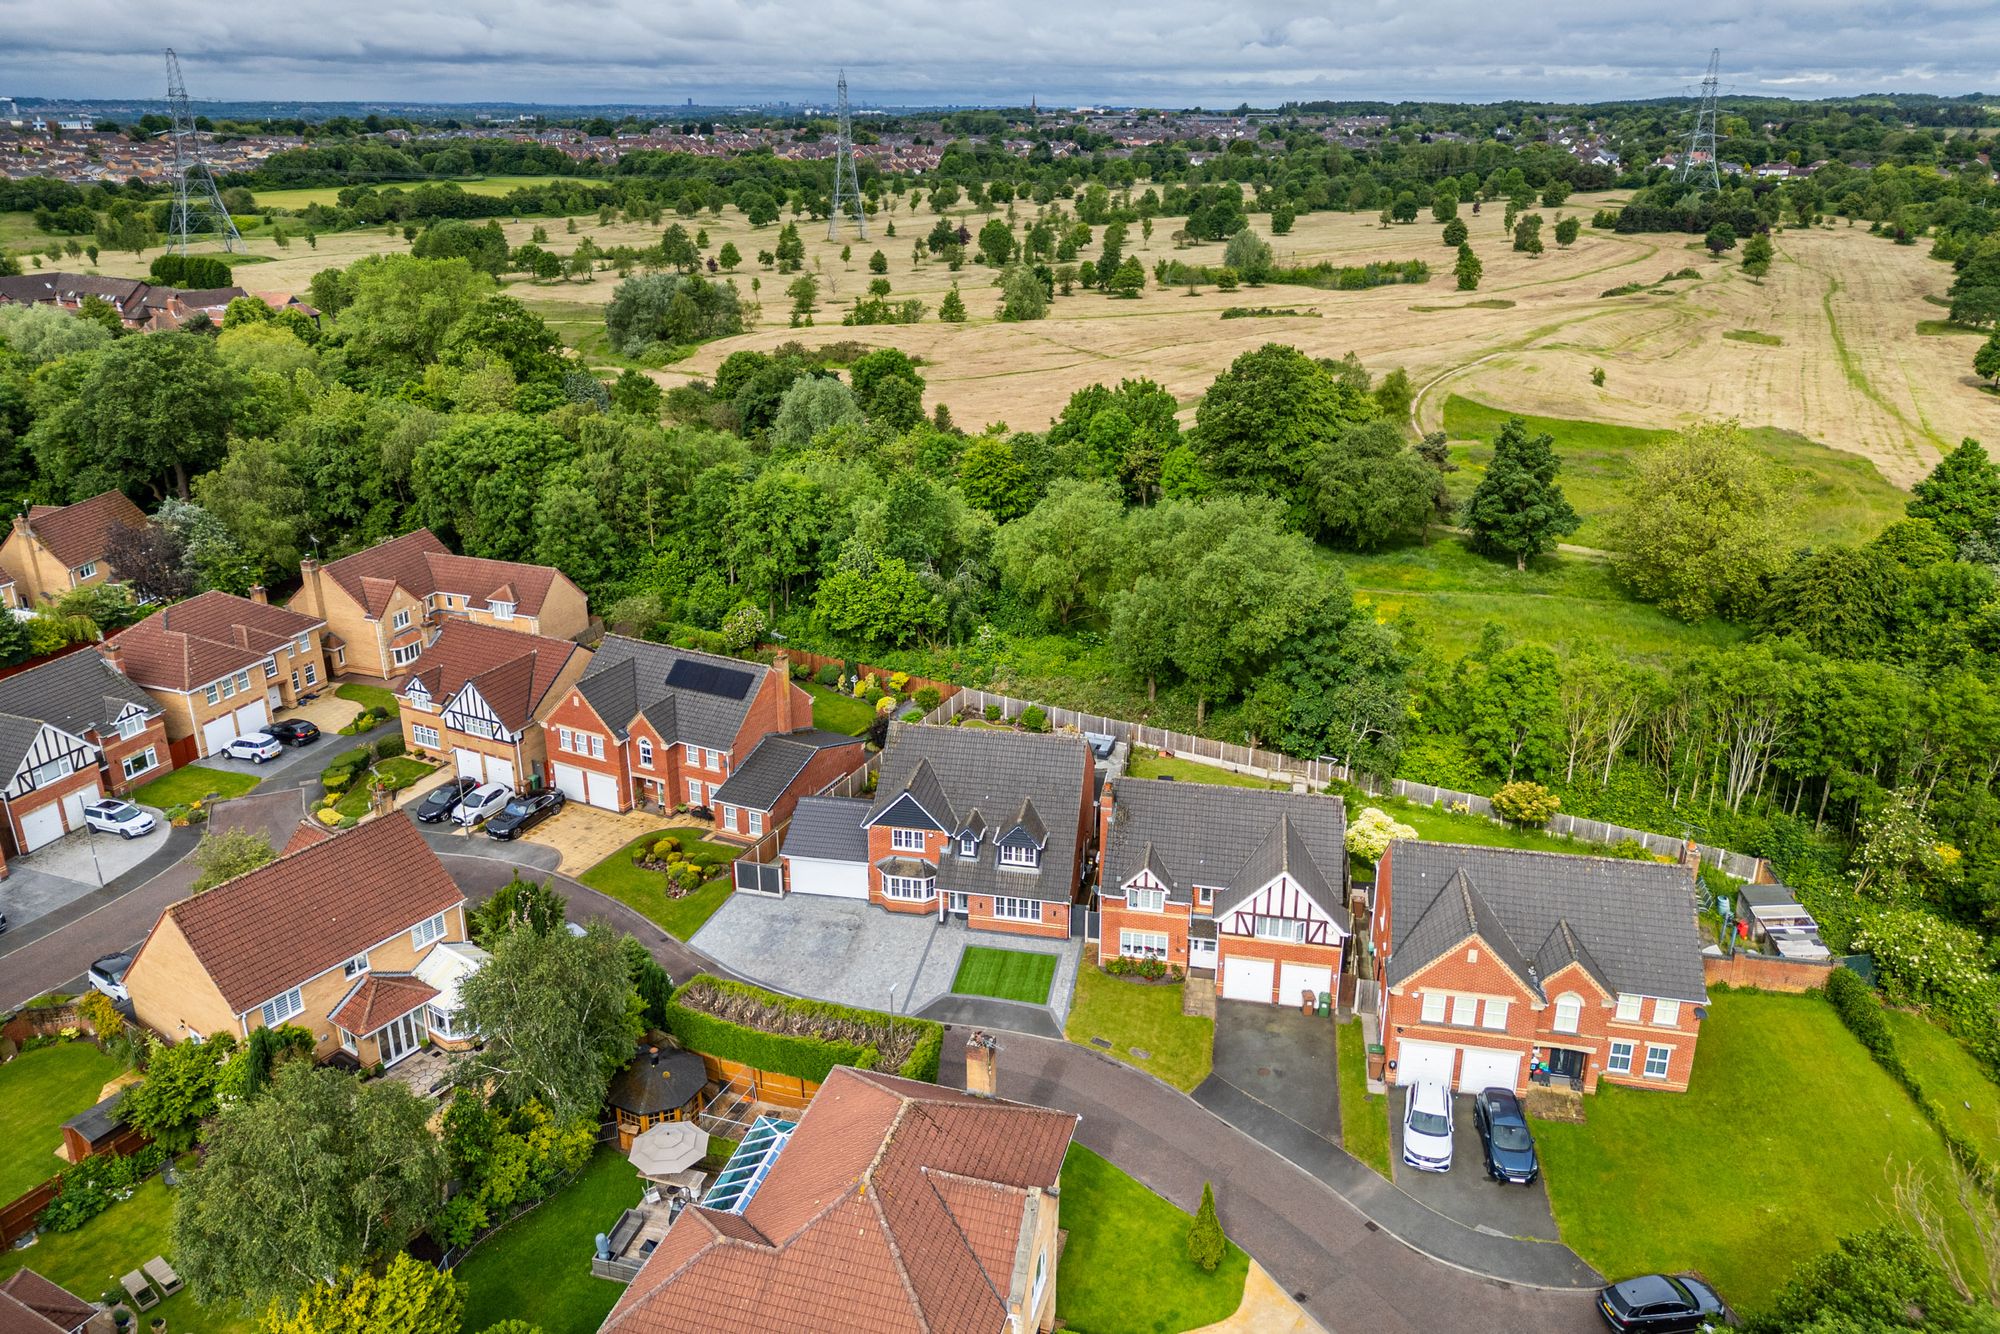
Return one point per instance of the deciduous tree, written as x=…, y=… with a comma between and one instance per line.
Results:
x=1702, y=525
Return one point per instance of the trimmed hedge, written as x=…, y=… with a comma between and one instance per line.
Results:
x=803, y=1055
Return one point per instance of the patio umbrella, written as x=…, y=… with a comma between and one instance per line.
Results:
x=669, y=1147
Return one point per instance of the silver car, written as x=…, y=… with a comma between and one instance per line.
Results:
x=483, y=803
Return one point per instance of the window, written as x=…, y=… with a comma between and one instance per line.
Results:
x=1465, y=1011
x=270, y=668
x=906, y=840
x=1628, y=1008
x=312, y=675
x=1143, y=944
x=502, y=611
x=1017, y=910
x=355, y=967
x=405, y=654
x=727, y=818
x=212, y=694
x=909, y=887
x=51, y=770
x=133, y=765
x=443, y=1024
x=1279, y=928
x=694, y=754
x=478, y=727
x=565, y=739
x=131, y=727
x=1020, y=854
x=968, y=845
x=1569, y=1010
x=1657, y=1059
x=1146, y=900
x=645, y=753
x=1666, y=1013
x=1496, y=1014
x=694, y=792
x=228, y=687
x=346, y=1040
x=1041, y=1283
x=1434, y=1003
x=401, y=620
x=242, y=680
x=596, y=747
x=956, y=900
x=276, y=1011
x=426, y=932
x=756, y=819
x=303, y=644
x=1619, y=1062
x=427, y=737
x=1205, y=894
x=87, y=570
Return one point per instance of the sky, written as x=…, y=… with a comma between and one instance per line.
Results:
x=1160, y=52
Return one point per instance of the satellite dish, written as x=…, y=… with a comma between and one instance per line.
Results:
x=1700, y=1013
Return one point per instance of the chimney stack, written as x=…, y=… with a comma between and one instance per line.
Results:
x=781, y=663
x=309, y=585
x=259, y=596
x=113, y=655
x=982, y=1070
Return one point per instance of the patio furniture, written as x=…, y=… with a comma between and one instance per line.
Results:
x=140, y=1291
x=669, y=1147
x=163, y=1275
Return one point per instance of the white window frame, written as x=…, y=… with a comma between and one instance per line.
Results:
x=502, y=611
x=1020, y=854
x=87, y=570
x=212, y=693
x=243, y=680
x=303, y=644
x=278, y=1009
x=909, y=888
x=1146, y=900
x=1629, y=1007
x=1143, y=944
x=1041, y=1283
x=1666, y=1013
x=426, y=737
x=1464, y=1011
x=347, y=1042
x=1618, y=1061
x=1017, y=910
x=968, y=845
x=694, y=792
x=131, y=727
x=404, y=654
x=53, y=771
x=596, y=746
x=401, y=620
x=229, y=687
x=1204, y=894
x=312, y=674
x=1665, y=1057
x=134, y=765
x=565, y=740
x=725, y=816
x=957, y=900
x=270, y=669
x=424, y=932
x=1569, y=1012
x=906, y=840
x=645, y=753
x=355, y=967
x=1494, y=1015
x=1435, y=1003
x=756, y=819
x=1291, y=930
x=713, y=760
x=693, y=754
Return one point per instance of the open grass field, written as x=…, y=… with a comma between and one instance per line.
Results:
x=1015, y=975
x=1118, y=1229
x=1135, y=1017
x=1969, y=1099
x=1789, y=1138
x=329, y=194
x=39, y=1090
x=537, y=1268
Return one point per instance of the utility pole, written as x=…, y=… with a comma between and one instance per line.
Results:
x=1699, y=166
x=197, y=202
x=846, y=181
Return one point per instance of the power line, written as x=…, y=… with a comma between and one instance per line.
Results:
x=846, y=181
x=197, y=202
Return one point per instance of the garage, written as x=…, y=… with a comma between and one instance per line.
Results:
x=1485, y=1068
x=471, y=764
x=41, y=826
x=1248, y=979
x=217, y=733
x=1424, y=1063
x=603, y=790
x=252, y=718
x=569, y=781
x=839, y=880
x=1295, y=979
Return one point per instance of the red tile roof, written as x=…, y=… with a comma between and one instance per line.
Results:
x=308, y=833
x=897, y=1206
x=380, y=998
x=31, y=1304
x=422, y=565
x=77, y=534
x=512, y=671
x=290, y=920
x=205, y=639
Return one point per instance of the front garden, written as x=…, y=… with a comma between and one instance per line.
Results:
x=1364, y=1117
x=378, y=705
x=356, y=776
x=537, y=1268
x=39, y=1090
x=1015, y=975
x=644, y=876
x=785, y=1035
x=192, y=787
x=1119, y=1231
x=1142, y=1024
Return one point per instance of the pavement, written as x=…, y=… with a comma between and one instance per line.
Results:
x=1283, y=1059
x=1466, y=1194
x=1267, y=1309
x=447, y=837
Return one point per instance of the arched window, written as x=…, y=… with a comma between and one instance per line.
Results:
x=1569, y=1009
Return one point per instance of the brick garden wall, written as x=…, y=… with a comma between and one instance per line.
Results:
x=1765, y=972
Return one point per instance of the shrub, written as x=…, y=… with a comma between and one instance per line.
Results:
x=95, y=1184
x=815, y=1036
x=899, y=682
x=992, y=713
x=928, y=698
x=1205, y=1243
x=389, y=747
x=1033, y=719
x=1372, y=832
x=1858, y=1009
x=1526, y=803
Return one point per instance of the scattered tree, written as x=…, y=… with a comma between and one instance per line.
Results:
x=1518, y=509
x=228, y=854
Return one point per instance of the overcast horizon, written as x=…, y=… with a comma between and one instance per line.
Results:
x=1168, y=53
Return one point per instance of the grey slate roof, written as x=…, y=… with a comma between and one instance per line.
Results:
x=1235, y=840
x=1460, y=911
x=77, y=692
x=990, y=774
x=628, y=678
x=828, y=829
x=762, y=778
x=1632, y=923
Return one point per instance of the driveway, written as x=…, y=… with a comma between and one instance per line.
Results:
x=300, y=765
x=1281, y=1058
x=1466, y=1194
x=72, y=867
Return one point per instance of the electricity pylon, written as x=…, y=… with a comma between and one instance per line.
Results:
x=1699, y=166
x=197, y=202
x=846, y=181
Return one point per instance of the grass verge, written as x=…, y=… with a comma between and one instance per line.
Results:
x=39, y=1090
x=1135, y=1017
x=645, y=892
x=537, y=1268
x=1015, y=975
x=1115, y=1223
x=1364, y=1116
x=191, y=783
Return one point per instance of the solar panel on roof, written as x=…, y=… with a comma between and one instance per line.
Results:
x=705, y=678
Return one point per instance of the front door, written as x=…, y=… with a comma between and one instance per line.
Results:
x=1562, y=1064
x=400, y=1038
x=274, y=699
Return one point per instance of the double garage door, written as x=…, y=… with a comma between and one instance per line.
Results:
x=1477, y=1067
x=485, y=768
x=43, y=825
x=219, y=732
x=584, y=785
x=835, y=879
x=1252, y=979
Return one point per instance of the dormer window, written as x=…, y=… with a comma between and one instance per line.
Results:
x=1020, y=854
x=1146, y=900
x=131, y=726
x=968, y=845
x=502, y=611
x=906, y=840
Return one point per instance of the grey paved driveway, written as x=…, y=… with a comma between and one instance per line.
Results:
x=1466, y=1194
x=72, y=867
x=1281, y=1058
x=302, y=764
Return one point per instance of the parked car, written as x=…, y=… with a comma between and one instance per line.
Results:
x=255, y=747
x=483, y=803
x=294, y=732
x=1503, y=1130
x=1662, y=1302
x=108, y=975
x=442, y=801
x=1427, y=1123
x=524, y=812
x=118, y=817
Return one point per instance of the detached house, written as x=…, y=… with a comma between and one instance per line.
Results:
x=652, y=725
x=783, y=767
x=336, y=936
x=478, y=695
x=1498, y=968
x=380, y=603
x=1247, y=883
x=71, y=731
x=55, y=548
x=220, y=666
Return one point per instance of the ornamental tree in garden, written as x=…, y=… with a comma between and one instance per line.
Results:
x=1373, y=831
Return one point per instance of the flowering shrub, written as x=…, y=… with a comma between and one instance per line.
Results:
x=1924, y=960
x=1153, y=970
x=1372, y=832
x=1526, y=803
x=899, y=682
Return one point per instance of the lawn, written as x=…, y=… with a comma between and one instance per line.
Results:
x=370, y=697
x=117, y=1241
x=1969, y=1100
x=306, y=196
x=643, y=890
x=40, y=1090
x=1364, y=1116
x=1015, y=975
x=1434, y=825
x=1143, y=1015
x=1151, y=764
x=358, y=799
x=191, y=783
x=1117, y=1228
x=1789, y=1138
x=835, y=712
x=537, y=1268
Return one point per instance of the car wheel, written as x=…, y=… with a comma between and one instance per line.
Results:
x=127, y=835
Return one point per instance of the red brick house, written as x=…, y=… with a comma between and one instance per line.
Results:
x=1500, y=968
x=478, y=695
x=1244, y=886
x=657, y=726
x=765, y=788
x=71, y=732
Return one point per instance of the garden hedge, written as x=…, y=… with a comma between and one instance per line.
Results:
x=802, y=1055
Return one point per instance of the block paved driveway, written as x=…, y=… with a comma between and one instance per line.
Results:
x=1283, y=1059
x=1466, y=1194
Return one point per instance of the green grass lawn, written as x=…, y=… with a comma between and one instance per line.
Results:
x=1937, y=328
x=191, y=783
x=1969, y=1100
x=1016, y=975
x=370, y=697
x=1118, y=1229
x=1440, y=826
x=1364, y=1116
x=835, y=712
x=89, y=1260
x=537, y=1268
x=1789, y=1138
x=1146, y=1015
x=1150, y=764
x=39, y=1090
x=1842, y=495
x=329, y=195
x=643, y=890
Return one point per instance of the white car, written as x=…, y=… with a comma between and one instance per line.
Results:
x=1427, y=1128
x=254, y=746
x=108, y=976
x=483, y=803
x=118, y=817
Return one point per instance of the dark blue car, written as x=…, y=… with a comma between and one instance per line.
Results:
x=1503, y=1130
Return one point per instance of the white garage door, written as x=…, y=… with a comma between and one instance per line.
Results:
x=840, y=880
x=73, y=804
x=603, y=790
x=217, y=733
x=1484, y=1068
x=499, y=771
x=570, y=782
x=1294, y=979
x=251, y=718
x=1247, y=979
x=470, y=764
x=41, y=826
x=1424, y=1063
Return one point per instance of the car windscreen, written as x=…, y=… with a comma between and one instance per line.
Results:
x=1511, y=1137
x=122, y=813
x=1428, y=1123
x=519, y=807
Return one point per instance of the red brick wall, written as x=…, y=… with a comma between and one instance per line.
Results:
x=115, y=751
x=576, y=714
x=1054, y=924
x=1765, y=972
x=880, y=846
x=1114, y=915
x=820, y=770
x=83, y=780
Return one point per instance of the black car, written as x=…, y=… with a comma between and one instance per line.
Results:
x=294, y=732
x=528, y=809
x=444, y=800
x=1661, y=1302
x=1503, y=1131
